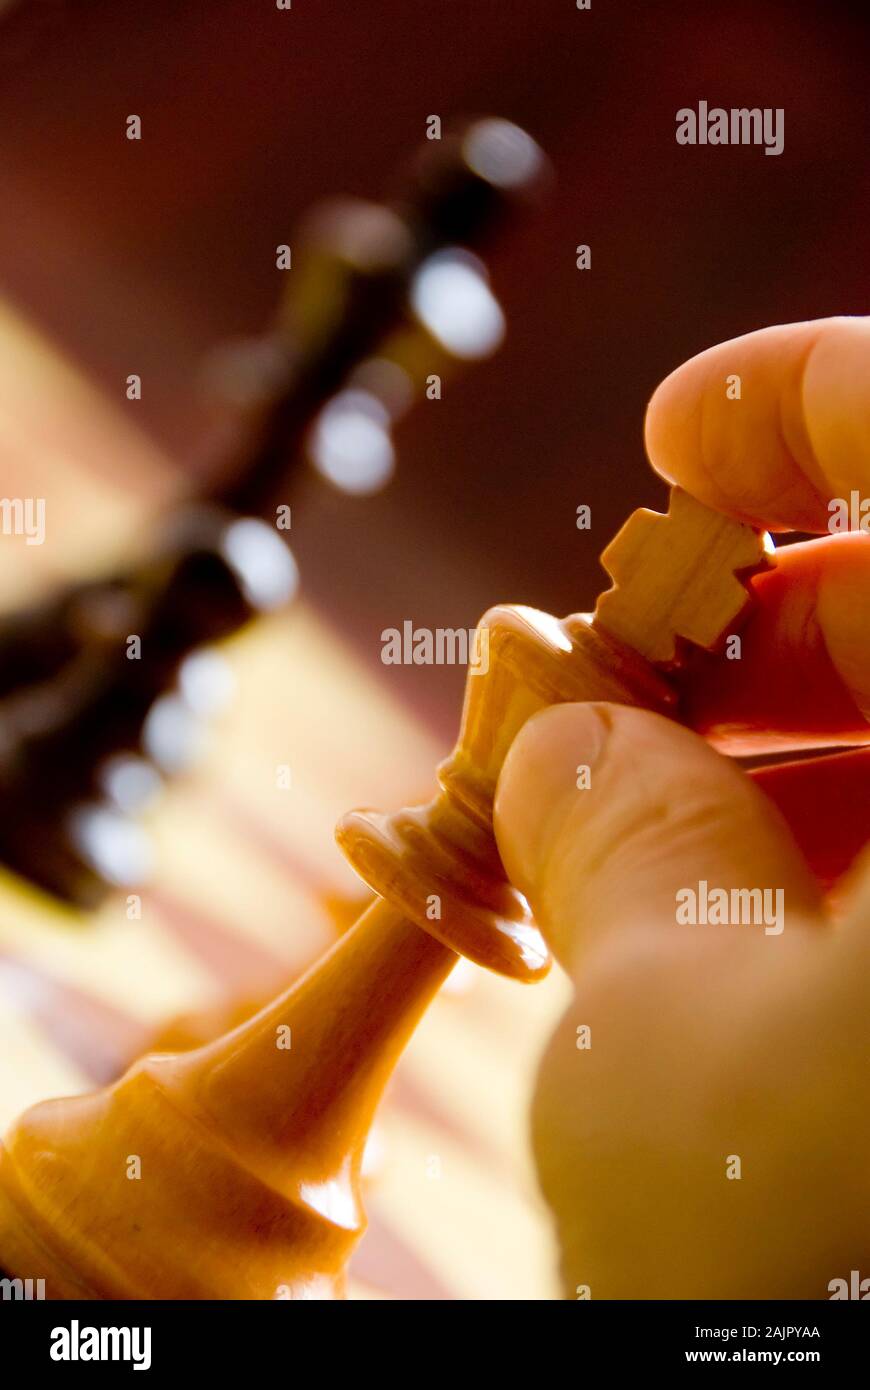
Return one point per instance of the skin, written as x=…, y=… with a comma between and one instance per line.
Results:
x=716, y=1043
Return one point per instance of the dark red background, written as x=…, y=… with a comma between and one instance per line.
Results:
x=141, y=256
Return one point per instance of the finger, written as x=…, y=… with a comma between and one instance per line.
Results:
x=826, y=804
x=796, y=436
x=662, y=812
x=803, y=677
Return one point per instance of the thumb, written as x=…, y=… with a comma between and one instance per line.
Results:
x=605, y=813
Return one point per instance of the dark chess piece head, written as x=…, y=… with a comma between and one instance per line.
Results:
x=94, y=685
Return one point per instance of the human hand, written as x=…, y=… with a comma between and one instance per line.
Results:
x=709, y=1136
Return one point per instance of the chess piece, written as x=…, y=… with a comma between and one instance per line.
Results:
x=233, y=1171
x=75, y=703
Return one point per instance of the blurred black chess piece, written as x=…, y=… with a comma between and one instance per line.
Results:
x=104, y=687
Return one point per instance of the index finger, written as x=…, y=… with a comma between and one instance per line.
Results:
x=772, y=426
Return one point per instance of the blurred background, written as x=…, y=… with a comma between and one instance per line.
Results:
x=143, y=257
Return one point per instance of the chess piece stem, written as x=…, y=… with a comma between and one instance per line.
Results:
x=350, y=1019
x=245, y=1154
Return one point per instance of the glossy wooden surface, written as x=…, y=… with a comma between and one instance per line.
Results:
x=232, y=1171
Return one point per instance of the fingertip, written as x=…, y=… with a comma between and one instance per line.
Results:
x=836, y=404
x=801, y=676
x=603, y=812
x=843, y=611
x=766, y=427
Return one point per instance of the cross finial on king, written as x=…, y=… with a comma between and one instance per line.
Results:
x=678, y=578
